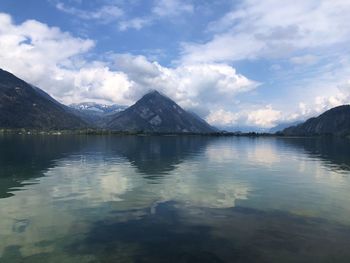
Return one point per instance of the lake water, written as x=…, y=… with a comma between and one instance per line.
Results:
x=174, y=199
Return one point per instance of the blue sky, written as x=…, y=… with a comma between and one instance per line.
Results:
x=245, y=63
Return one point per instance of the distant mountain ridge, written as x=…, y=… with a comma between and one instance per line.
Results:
x=94, y=113
x=25, y=106
x=335, y=121
x=155, y=112
x=97, y=107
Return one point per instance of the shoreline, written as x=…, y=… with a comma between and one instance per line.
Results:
x=95, y=132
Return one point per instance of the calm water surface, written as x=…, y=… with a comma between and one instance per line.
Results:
x=174, y=199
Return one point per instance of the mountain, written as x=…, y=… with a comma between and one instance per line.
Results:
x=25, y=106
x=95, y=114
x=283, y=125
x=155, y=112
x=93, y=107
x=335, y=121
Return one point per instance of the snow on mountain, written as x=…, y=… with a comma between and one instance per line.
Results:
x=98, y=108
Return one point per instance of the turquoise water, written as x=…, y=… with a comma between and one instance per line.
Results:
x=174, y=199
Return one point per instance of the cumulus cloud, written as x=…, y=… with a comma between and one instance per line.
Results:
x=290, y=35
x=101, y=84
x=56, y=62
x=222, y=117
x=265, y=117
x=269, y=117
x=272, y=28
x=202, y=81
x=196, y=86
x=323, y=103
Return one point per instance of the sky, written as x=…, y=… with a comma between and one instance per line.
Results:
x=238, y=64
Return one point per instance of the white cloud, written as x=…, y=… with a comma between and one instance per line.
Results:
x=101, y=84
x=106, y=13
x=196, y=86
x=323, y=103
x=162, y=9
x=266, y=117
x=272, y=28
x=55, y=61
x=302, y=33
x=223, y=118
x=339, y=95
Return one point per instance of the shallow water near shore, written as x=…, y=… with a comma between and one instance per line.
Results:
x=174, y=199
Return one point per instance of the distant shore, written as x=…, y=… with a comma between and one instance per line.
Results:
x=101, y=132
x=110, y=132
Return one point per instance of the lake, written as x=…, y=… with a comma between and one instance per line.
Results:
x=174, y=199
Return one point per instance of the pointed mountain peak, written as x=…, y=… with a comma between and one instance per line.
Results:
x=153, y=93
x=154, y=96
x=155, y=112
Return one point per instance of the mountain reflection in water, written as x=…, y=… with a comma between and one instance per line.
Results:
x=173, y=199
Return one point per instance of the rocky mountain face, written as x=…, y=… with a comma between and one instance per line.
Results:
x=25, y=106
x=335, y=121
x=155, y=112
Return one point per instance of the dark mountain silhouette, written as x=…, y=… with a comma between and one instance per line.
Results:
x=25, y=106
x=283, y=125
x=155, y=112
x=335, y=121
